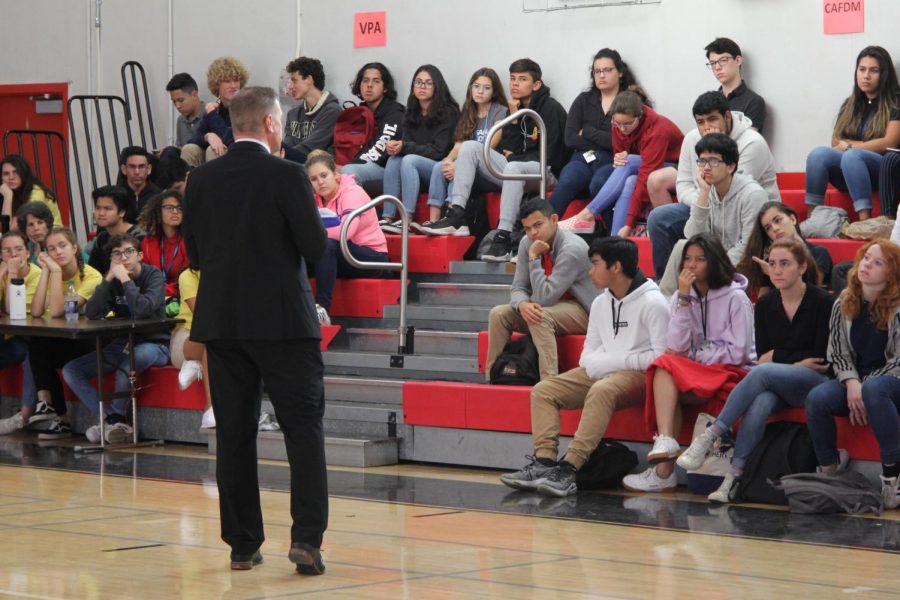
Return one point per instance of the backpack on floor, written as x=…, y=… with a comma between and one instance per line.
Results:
x=517, y=364
x=785, y=449
x=477, y=222
x=606, y=466
x=827, y=493
x=717, y=465
x=353, y=131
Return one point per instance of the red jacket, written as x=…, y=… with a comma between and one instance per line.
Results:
x=657, y=140
x=171, y=258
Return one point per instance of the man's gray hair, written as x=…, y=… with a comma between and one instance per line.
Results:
x=249, y=108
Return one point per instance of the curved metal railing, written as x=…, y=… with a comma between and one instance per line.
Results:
x=405, y=345
x=492, y=169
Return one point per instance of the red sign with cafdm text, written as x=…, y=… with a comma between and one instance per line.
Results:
x=369, y=29
x=844, y=16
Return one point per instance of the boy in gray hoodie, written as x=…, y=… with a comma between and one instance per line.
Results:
x=309, y=126
x=726, y=206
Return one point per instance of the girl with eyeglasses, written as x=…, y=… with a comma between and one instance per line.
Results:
x=19, y=185
x=643, y=141
x=868, y=123
x=589, y=130
x=61, y=264
x=710, y=348
x=431, y=116
x=485, y=104
x=163, y=246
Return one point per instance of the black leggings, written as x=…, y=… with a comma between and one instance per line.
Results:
x=46, y=355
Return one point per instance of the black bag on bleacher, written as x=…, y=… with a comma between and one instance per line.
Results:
x=477, y=222
x=785, y=449
x=517, y=364
x=606, y=467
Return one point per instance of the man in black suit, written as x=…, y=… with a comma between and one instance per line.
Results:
x=250, y=223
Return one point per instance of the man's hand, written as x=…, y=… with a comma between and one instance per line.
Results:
x=513, y=105
x=538, y=248
x=216, y=143
x=211, y=106
x=117, y=271
x=531, y=313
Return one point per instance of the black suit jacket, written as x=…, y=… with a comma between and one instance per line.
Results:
x=250, y=220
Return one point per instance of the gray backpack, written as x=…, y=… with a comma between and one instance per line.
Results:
x=826, y=493
x=824, y=222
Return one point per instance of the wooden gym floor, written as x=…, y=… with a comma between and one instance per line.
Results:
x=145, y=525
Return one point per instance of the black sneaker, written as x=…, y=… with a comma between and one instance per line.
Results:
x=499, y=250
x=453, y=224
x=308, y=558
x=391, y=226
x=42, y=412
x=59, y=429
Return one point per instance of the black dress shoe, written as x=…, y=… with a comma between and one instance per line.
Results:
x=245, y=562
x=307, y=558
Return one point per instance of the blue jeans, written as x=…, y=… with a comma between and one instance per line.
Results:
x=881, y=396
x=77, y=373
x=403, y=177
x=665, y=226
x=14, y=351
x=854, y=171
x=617, y=192
x=332, y=263
x=438, y=187
x=578, y=175
x=767, y=388
x=368, y=176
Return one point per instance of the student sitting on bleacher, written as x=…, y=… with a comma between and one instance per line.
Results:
x=710, y=346
x=130, y=290
x=726, y=206
x=310, y=125
x=867, y=125
x=374, y=85
x=776, y=221
x=864, y=352
x=643, y=141
x=136, y=167
x=20, y=186
x=340, y=194
x=589, y=131
x=14, y=349
x=485, y=105
x=35, y=220
x=712, y=115
x=610, y=375
x=726, y=61
x=60, y=265
x=185, y=97
x=431, y=116
x=190, y=356
x=111, y=207
x=791, y=323
x=517, y=153
x=225, y=78
x=163, y=246
x=551, y=291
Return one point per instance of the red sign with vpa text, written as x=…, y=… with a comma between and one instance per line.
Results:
x=369, y=29
x=844, y=16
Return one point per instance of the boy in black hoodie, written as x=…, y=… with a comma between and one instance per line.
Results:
x=518, y=153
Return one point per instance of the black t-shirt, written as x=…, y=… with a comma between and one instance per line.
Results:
x=868, y=342
x=750, y=103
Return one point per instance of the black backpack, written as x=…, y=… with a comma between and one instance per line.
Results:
x=785, y=449
x=517, y=364
x=477, y=221
x=606, y=467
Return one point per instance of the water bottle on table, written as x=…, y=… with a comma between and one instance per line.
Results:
x=71, y=304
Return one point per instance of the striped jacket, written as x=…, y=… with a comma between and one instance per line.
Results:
x=842, y=356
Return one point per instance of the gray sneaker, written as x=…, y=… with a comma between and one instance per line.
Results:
x=529, y=477
x=560, y=481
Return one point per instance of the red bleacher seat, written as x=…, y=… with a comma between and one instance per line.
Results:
x=362, y=297
x=492, y=208
x=795, y=199
x=840, y=250
x=835, y=197
x=430, y=254
x=791, y=181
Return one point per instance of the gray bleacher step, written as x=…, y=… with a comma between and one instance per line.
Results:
x=459, y=343
x=422, y=314
x=414, y=366
x=351, y=419
x=339, y=451
x=478, y=267
x=463, y=294
x=363, y=390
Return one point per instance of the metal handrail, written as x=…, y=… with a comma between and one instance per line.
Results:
x=405, y=345
x=489, y=165
x=136, y=69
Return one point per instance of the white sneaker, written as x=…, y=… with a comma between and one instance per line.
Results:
x=268, y=423
x=11, y=424
x=694, y=457
x=649, y=481
x=723, y=494
x=119, y=433
x=209, y=419
x=664, y=449
x=93, y=434
x=324, y=319
x=191, y=371
x=890, y=496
